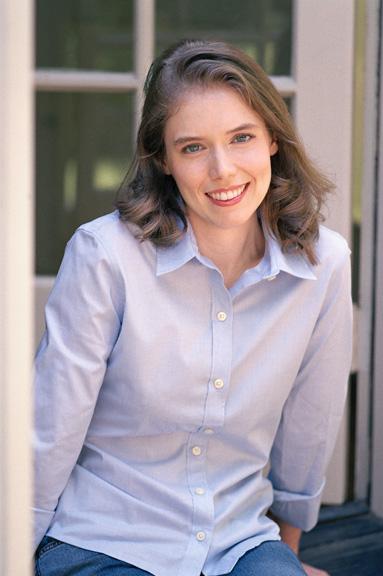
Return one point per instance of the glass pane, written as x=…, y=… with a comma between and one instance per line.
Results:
x=84, y=147
x=263, y=28
x=87, y=34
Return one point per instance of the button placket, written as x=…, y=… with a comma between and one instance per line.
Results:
x=203, y=507
x=202, y=441
x=222, y=326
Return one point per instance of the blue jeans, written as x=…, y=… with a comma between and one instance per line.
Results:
x=55, y=558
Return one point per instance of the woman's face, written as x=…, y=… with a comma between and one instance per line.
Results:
x=218, y=151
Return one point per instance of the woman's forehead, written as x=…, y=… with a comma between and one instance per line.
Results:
x=196, y=104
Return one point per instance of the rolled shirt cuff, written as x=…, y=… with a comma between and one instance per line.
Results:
x=42, y=520
x=299, y=510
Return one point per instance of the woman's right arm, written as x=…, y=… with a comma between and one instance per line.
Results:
x=83, y=318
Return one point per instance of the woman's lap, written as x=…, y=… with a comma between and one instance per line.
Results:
x=55, y=558
x=272, y=558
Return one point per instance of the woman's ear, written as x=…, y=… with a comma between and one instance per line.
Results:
x=165, y=167
x=162, y=165
x=273, y=147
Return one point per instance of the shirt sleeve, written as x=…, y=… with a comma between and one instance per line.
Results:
x=82, y=325
x=313, y=411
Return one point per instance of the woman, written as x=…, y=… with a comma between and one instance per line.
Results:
x=193, y=337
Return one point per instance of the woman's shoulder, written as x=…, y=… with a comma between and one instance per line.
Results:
x=111, y=241
x=107, y=227
x=331, y=247
x=110, y=232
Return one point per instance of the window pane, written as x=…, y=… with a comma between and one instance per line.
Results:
x=87, y=34
x=263, y=28
x=84, y=147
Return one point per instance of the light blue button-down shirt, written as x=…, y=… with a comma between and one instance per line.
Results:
x=161, y=395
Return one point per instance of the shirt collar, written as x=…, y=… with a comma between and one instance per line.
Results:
x=274, y=261
x=292, y=262
x=178, y=254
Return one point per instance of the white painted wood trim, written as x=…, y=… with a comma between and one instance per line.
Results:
x=16, y=257
x=323, y=71
x=144, y=30
x=367, y=248
x=377, y=392
x=84, y=81
x=285, y=85
x=53, y=80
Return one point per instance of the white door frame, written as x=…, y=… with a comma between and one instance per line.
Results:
x=16, y=259
x=363, y=455
x=323, y=71
x=377, y=365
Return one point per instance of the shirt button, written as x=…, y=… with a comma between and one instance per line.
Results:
x=196, y=450
x=218, y=383
x=209, y=431
x=200, y=491
x=201, y=536
x=270, y=278
x=222, y=316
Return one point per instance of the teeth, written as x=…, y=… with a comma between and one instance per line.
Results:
x=228, y=195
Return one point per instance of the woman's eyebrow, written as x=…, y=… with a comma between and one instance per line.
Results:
x=246, y=126
x=185, y=139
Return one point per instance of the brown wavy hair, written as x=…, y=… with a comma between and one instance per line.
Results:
x=150, y=198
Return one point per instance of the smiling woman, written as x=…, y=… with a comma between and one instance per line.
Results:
x=222, y=172
x=193, y=336
x=184, y=89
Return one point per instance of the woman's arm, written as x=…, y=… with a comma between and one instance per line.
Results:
x=313, y=411
x=82, y=324
x=291, y=536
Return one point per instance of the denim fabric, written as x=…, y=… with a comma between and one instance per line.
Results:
x=268, y=559
x=56, y=558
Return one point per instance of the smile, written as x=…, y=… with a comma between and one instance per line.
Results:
x=228, y=197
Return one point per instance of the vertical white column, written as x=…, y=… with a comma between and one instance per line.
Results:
x=323, y=71
x=377, y=405
x=367, y=249
x=143, y=46
x=16, y=249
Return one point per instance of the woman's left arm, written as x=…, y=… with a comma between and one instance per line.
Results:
x=291, y=536
x=313, y=411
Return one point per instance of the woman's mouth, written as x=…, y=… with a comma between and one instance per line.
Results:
x=228, y=197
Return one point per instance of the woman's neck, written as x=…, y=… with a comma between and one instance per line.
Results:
x=232, y=250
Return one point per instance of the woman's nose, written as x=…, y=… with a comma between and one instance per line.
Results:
x=221, y=165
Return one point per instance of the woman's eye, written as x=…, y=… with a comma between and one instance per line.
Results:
x=243, y=138
x=191, y=148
